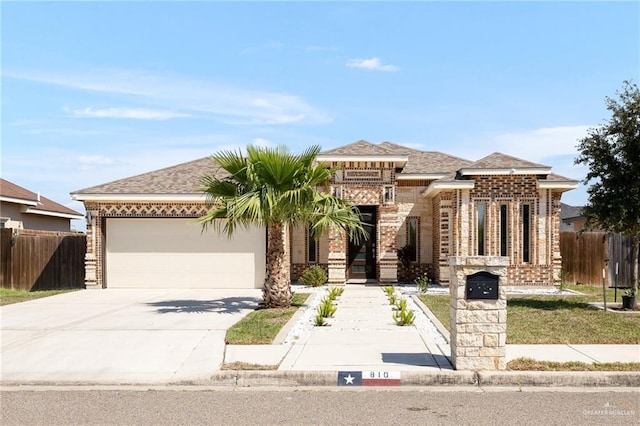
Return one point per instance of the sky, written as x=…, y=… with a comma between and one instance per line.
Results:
x=93, y=92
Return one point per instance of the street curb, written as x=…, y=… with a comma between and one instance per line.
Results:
x=481, y=379
x=329, y=378
x=559, y=378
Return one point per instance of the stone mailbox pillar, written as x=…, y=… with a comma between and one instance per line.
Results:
x=478, y=312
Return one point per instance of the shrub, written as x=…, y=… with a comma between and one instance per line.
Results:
x=389, y=290
x=313, y=276
x=334, y=292
x=401, y=305
x=403, y=317
x=319, y=321
x=405, y=254
x=326, y=308
x=392, y=299
x=423, y=282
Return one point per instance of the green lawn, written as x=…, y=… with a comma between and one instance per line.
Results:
x=7, y=296
x=261, y=326
x=527, y=364
x=557, y=319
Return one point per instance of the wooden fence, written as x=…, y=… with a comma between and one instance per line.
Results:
x=586, y=254
x=583, y=257
x=41, y=260
x=620, y=260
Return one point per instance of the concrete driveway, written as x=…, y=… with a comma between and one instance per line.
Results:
x=120, y=336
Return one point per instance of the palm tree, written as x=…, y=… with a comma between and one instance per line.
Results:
x=272, y=187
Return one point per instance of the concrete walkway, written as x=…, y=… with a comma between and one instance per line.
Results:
x=119, y=335
x=363, y=336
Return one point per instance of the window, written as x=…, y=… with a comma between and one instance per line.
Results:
x=336, y=191
x=526, y=228
x=412, y=238
x=388, y=196
x=503, y=230
x=482, y=213
x=312, y=247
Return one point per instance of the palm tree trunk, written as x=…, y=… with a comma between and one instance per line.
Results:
x=277, y=284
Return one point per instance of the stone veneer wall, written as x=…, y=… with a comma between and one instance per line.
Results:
x=299, y=242
x=412, y=204
x=478, y=327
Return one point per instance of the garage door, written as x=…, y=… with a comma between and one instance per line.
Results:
x=174, y=253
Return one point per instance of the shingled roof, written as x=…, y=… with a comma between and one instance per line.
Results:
x=498, y=160
x=361, y=147
x=184, y=179
x=36, y=203
x=419, y=162
x=180, y=179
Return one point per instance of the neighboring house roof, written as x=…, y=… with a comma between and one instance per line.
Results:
x=570, y=212
x=33, y=202
x=568, y=215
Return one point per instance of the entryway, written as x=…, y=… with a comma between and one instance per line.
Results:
x=361, y=258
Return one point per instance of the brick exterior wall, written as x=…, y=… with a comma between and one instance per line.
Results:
x=513, y=192
x=447, y=226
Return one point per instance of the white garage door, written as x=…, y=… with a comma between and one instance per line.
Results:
x=174, y=253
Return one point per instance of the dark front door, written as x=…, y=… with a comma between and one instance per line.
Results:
x=362, y=255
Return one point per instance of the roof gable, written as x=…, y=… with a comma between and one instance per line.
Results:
x=418, y=162
x=498, y=160
x=360, y=147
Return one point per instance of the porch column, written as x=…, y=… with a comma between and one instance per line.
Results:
x=337, y=258
x=388, y=227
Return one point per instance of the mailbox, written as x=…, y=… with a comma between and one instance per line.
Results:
x=482, y=285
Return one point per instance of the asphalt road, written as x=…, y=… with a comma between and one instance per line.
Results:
x=230, y=406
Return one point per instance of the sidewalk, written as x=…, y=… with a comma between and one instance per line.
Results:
x=363, y=336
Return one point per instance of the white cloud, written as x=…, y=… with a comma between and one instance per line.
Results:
x=132, y=113
x=371, y=64
x=166, y=92
x=91, y=162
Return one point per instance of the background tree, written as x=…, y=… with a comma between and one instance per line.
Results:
x=612, y=152
x=272, y=188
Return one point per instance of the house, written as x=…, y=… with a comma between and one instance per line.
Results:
x=24, y=209
x=431, y=205
x=572, y=218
